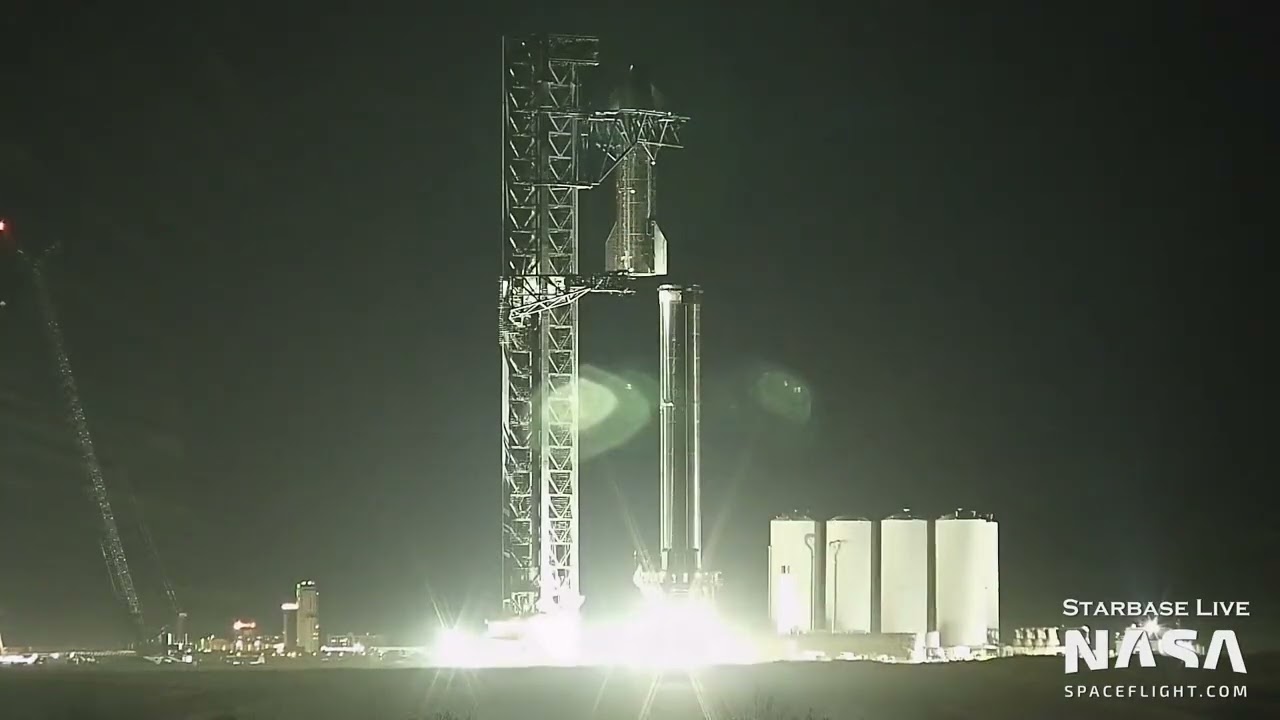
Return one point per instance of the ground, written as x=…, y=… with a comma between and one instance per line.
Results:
x=1014, y=688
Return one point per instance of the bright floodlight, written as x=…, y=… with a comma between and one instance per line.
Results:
x=1151, y=626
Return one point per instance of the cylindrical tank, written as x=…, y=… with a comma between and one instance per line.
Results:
x=993, y=581
x=679, y=437
x=794, y=553
x=848, y=576
x=904, y=574
x=961, y=554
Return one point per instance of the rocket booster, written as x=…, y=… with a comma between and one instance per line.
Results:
x=680, y=386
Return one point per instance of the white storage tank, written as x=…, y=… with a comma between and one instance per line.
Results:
x=962, y=558
x=993, y=581
x=795, y=551
x=848, y=575
x=904, y=574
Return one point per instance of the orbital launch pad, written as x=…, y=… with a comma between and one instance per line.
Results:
x=553, y=148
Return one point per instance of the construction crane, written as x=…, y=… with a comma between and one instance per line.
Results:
x=175, y=607
x=111, y=545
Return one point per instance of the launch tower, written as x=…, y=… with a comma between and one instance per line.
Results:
x=544, y=129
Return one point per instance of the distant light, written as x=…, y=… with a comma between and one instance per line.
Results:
x=289, y=606
x=1, y=224
x=1151, y=627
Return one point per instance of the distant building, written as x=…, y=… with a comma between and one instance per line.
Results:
x=289, y=633
x=308, y=600
x=213, y=644
x=352, y=640
x=247, y=639
x=180, y=631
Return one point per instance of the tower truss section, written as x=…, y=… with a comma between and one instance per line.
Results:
x=545, y=138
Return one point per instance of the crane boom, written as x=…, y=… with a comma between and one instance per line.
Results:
x=145, y=530
x=112, y=547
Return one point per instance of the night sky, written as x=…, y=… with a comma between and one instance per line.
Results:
x=1012, y=254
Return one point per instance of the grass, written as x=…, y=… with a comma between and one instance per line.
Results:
x=767, y=709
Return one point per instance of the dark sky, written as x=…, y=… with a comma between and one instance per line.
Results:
x=1013, y=252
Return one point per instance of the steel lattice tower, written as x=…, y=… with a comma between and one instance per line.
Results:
x=544, y=133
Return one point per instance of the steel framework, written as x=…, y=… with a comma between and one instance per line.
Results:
x=549, y=143
x=544, y=125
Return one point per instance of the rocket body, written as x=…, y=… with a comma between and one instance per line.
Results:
x=636, y=245
x=680, y=386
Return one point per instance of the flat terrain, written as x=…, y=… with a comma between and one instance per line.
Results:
x=1022, y=688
